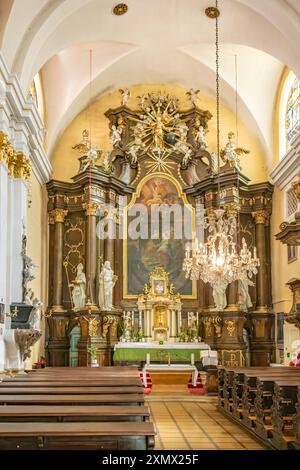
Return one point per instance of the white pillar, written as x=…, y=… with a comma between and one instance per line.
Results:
x=3, y=232
x=173, y=323
x=19, y=218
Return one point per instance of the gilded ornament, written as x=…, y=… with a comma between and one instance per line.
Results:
x=212, y=12
x=261, y=217
x=230, y=327
x=58, y=215
x=90, y=207
x=120, y=9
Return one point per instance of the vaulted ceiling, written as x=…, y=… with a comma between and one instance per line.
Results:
x=156, y=41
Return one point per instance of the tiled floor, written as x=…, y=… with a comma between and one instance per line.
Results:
x=196, y=425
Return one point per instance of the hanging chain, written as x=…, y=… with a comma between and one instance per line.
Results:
x=218, y=96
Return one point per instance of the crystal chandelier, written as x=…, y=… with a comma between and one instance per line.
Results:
x=218, y=257
x=218, y=260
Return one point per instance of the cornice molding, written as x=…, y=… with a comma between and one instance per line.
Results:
x=288, y=167
x=21, y=121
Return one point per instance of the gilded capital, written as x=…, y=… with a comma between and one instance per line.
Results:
x=90, y=207
x=17, y=163
x=261, y=217
x=232, y=209
x=22, y=168
x=57, y=215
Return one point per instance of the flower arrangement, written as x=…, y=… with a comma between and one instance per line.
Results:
x=92, y=350
x=161, y=341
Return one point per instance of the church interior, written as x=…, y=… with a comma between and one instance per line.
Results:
x=150, y=225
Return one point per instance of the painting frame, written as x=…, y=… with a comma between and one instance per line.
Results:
x=135, y=196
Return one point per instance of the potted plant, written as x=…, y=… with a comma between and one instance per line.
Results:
x=140, y=335
x=182, y=337
x=92, y=350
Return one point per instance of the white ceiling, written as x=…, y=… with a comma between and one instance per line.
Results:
x=157, y=41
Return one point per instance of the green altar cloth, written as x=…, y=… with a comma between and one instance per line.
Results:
x=156, y=354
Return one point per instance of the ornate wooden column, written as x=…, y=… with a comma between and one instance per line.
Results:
x=91, y=251
x=262, y=343
x=58, y=343
x=58, y=216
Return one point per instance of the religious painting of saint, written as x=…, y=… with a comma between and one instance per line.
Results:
x=143, y=255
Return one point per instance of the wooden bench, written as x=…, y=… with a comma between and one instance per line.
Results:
x=11, y=413
x=254, y=397
x=69, y=390
x=77, y=436
x=97, y=399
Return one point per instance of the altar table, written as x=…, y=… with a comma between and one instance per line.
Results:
x=175, y=352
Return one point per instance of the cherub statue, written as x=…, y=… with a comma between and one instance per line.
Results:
x=187, y=157
x=132, y=152
x=142, y=100
x=90, y=159
x=192, y=94
x=231, y=153
x=200, y=138
x=125, y=95
x=115, y=136
x=146, y=289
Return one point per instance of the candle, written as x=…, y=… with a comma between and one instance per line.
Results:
x=132, y=319
x=193, y=359
x=148, y=358
x=140, y=319
x=197, y=321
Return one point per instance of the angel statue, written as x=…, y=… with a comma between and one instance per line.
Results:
x=192, y=94
x=132, y=152
x=200, y=138
x=90, y=159
x=115, y=136
x=125, y=95
x=231, y=153
x=79, y=289
x=142, y=100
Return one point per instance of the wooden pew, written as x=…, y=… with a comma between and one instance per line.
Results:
x=97, y=399
x=77, y=436
x=31, y=413
x=72, y=383
x=69, y=390
x=284, y=410
x=249, y=396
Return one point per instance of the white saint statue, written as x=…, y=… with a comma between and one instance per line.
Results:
x=115, y=136
x=125, y=95
x=219, y=294
x=79, y=289
x=107, y=281
x=244, y=296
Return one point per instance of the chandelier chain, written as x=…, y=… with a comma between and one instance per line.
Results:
x=218, y=95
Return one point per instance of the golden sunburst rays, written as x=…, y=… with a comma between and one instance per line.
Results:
x=160, y=117
x=158, y=162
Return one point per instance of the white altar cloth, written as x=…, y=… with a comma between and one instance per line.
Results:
x=168, y=368
x=166, y=345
